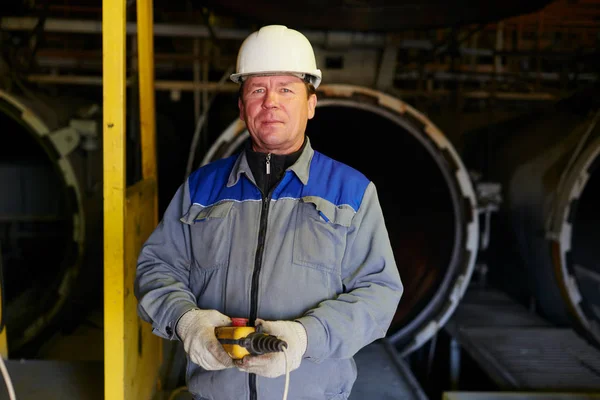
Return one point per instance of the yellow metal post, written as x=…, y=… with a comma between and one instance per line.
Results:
x=3, y=342
x=142, y=348
x=132, y=354
x=146, y=79
x=144, y=355
x=113, y=71
x=3, y=345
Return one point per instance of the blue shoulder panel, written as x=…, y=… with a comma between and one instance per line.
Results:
x=208, y=184
x=331, y=180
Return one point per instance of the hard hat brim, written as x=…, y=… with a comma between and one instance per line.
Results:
x=315, y=78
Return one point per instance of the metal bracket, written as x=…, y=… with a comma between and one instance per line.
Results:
x=88, y=129
x=387, y=68
x=69, y=138
x=489, y=198
x=65, y=140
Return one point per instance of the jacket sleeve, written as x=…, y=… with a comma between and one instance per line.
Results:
x=339, y=327
x=163, y=268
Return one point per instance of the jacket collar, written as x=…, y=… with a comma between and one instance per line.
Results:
x=301, y=167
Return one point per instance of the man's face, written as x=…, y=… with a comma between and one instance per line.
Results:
x=276, y=110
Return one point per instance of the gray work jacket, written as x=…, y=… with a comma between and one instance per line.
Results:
x=315, y=250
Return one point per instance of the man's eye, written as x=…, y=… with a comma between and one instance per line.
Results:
x=258, y=91
x=286, y=90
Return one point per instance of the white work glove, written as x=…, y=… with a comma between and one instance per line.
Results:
x=196, y=328
x=272, y=365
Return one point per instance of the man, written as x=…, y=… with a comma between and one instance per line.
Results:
x=281, y=235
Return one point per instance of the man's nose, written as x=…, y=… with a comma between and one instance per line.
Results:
x=270, y=100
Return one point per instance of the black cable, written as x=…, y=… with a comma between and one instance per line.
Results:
x=258, y=343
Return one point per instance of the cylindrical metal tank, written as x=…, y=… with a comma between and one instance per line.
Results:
x=549, y=225
x=50, y=211
x=427, y=197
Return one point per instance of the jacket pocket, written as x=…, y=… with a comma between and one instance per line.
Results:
x=210, y=229
x=320, y=234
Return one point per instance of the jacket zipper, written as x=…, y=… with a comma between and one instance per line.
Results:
x=264, y=214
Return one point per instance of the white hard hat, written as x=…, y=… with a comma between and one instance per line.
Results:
x=276, y=49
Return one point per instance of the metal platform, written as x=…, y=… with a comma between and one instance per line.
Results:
x=519, y=350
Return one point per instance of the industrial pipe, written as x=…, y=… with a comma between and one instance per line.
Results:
x=554, y=197
x=50, y=210
x=427, y=197
x=548, y=165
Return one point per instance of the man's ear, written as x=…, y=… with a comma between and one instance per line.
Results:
x=312, y=104
x=241, y=107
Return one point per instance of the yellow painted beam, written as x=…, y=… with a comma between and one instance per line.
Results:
x=142, y=216
x=143, y=355
x=3, y=344
x=113, y=62
x=132, y=354
x=146, y=79
x=3, y=341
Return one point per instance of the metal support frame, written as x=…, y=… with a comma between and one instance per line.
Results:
x=146, y=79
x=3, y=344
x=387, y=68
x=504, y=78
x=132, y=354
x=113, y=42
x=316, y=37
x=517, y=349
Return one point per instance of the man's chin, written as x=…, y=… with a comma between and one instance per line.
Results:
x=272, y=136
x=273, y=144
